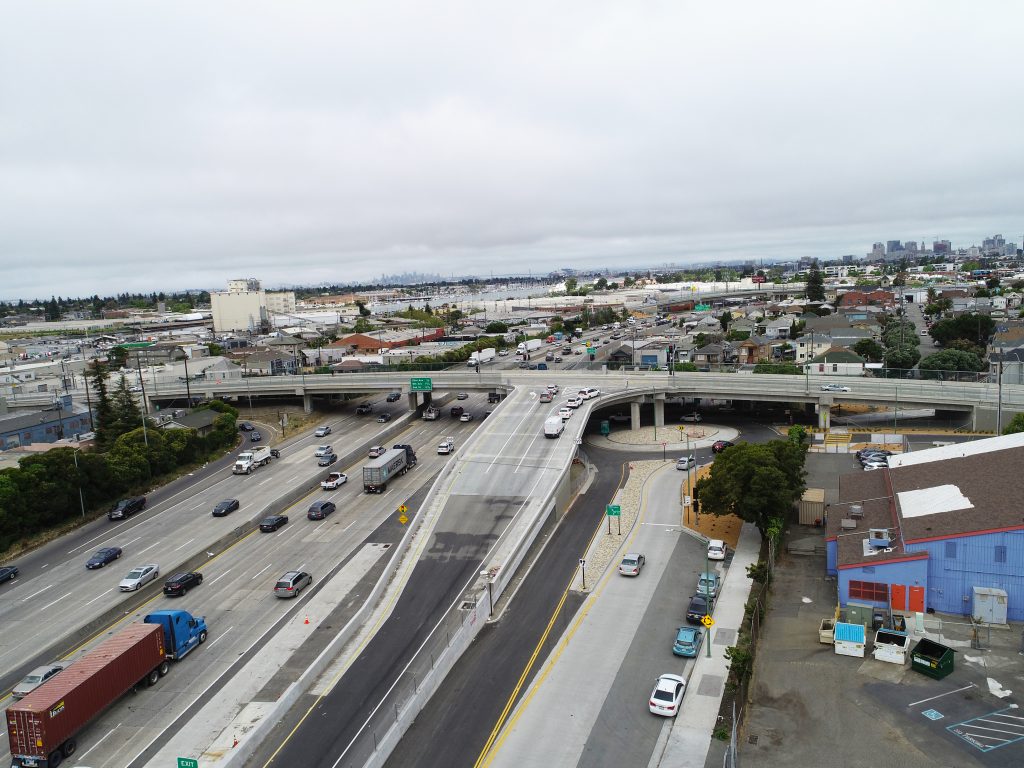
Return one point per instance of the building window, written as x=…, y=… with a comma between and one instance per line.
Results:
x=869, y=590
x=950, y=550
x=1000, y=553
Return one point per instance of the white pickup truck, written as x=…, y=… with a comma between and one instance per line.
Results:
x=334, y=481
x=447, y=445
x=430, y=413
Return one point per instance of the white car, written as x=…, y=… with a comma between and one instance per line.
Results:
x=631, y=564
x=323, y=431
x=574, y=402
x=553, y=389
x=446, y=446
x=834, y=388
x=716, y=549
x=502, y=353
x=667, y=695
x=377, y=450
x=589, y=393
x=34, y=679
x=138, y=577
x=323, y=450
x=686, y=462
x=334, y=481
x=565, y=412
x=694, y=418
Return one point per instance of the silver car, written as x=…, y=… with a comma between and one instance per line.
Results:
x=34, y=679
x=139, y=576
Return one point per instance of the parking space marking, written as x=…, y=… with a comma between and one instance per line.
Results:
x=933, y=714
x=991, y=731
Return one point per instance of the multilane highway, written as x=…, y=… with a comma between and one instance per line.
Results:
x=55, y=594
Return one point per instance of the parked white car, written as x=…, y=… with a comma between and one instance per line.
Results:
x=138, y=577
x=716, y=549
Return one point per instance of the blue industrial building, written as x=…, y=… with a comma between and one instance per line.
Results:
x=63, y=420
x=934, y=531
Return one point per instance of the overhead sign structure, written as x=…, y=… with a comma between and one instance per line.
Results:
x=421, y=385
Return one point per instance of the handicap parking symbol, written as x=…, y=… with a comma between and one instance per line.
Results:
x=932, y=714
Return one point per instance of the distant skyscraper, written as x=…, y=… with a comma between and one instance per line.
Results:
x=942, y=246
x=910, y=245
x=891, y=246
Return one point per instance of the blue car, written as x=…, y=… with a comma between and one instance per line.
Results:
x=688, y=640
x=102, y=557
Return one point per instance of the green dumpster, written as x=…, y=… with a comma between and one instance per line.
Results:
x=606, y=428
x=932, y=659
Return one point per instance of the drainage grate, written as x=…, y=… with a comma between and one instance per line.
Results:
x=467, y=605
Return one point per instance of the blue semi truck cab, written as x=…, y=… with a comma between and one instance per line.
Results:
x=182, y=631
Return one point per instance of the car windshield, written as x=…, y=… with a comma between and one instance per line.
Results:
x=33, y=679
x=136, y=573
x=663, y=695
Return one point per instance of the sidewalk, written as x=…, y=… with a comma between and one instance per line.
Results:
x=691, y=733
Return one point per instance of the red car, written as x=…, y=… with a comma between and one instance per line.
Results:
x=721, y=445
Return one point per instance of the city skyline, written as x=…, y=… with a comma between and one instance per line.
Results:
x=328, y=144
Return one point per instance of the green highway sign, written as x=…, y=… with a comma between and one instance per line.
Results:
x=613, y=510
x=421, y=385
x=187, y=762
x=702, y=308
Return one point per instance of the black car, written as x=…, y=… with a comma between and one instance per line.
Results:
x=102, y=557
x=272, y=523
x=127, y=507
x=326, y=461
x=246, y=427
x=255, y=437
x=457, y=410
x=225, y=507
x=384, y=418
x=364, y=409
x=394, y=397
x=8, y=572
x=275, y=453
x=318, y=510
x=697, y=609
x=180, y=583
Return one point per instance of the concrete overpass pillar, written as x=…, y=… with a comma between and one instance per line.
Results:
x=307, y=403
x=634, y=415
x=824, y=416
x=659, y=410
x=413, y=401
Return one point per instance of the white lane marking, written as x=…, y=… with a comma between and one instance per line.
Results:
x=98, y=742
x=48, y=586
x=218, y=578
x=261, y=572
x=55, y=601
x=221, y=635
x=131, y=541
x=197, y=506
x=932, y=698
x=101, y=595
x=184, y=545
x=155, y=544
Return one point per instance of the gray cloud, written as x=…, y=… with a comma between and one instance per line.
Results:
x=155, y=147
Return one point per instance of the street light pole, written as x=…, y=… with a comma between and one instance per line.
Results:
x=81, y=500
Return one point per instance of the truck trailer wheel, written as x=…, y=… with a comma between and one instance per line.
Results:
x=164, y=668
x=69, y=747
x=152, y=677
x=55, y=758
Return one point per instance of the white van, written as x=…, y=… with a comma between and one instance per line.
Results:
x=553, y=426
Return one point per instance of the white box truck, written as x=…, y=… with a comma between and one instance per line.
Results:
x=531, y=345
x=481, y=356
x=553, y=426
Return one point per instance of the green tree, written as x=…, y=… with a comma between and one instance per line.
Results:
x=1016, y=425
x=902, y=357
x=949, y=360
x=570, y=285
x=96, y=377
x=754, y=481
x=870, y=350
x=724, y=320
x=363, y=311
x=495, y=326
x=786, y=369
x=973, y=327
x=815, y=283
x=601, y=284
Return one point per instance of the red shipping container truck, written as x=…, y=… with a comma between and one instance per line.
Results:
x=42, y=726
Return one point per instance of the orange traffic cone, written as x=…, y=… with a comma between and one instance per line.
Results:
x=235, y=740
x=306, y=621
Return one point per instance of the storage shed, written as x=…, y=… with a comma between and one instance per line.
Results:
x=812, y=507
x=989, y=605
x=850, y=639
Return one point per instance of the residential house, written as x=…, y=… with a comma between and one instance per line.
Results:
x=202, y=421
x=879, y=298
x=758, y=349
x=714, y=355
x=776, y=328
x=837, y=362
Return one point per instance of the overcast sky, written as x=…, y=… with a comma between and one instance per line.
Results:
x=160, y=146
